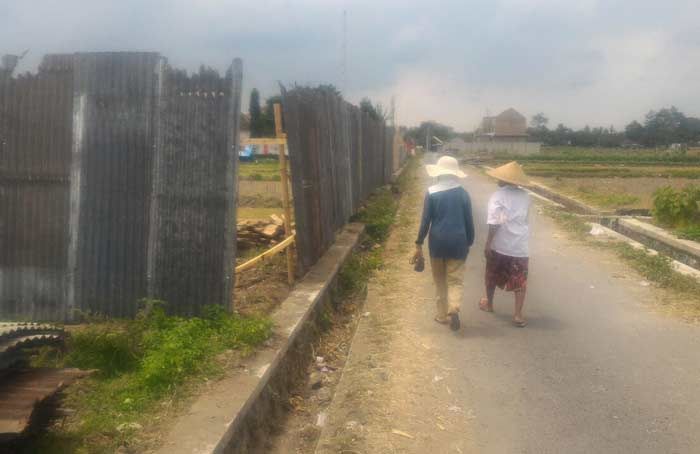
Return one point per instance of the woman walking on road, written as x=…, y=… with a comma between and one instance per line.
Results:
x=447, y=215
x=507, y=243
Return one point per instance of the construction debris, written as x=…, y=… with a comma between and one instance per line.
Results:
x=16, y=337
x=26, y=398
x=260, y=232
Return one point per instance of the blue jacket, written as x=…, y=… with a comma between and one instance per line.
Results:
x=447, y=214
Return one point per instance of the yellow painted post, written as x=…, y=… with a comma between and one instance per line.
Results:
x=284, y=173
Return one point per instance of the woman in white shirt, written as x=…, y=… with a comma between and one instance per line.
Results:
x=506, y=248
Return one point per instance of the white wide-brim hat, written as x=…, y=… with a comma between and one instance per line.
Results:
x=446, y=165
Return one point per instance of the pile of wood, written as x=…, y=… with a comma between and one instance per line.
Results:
x=260, y=232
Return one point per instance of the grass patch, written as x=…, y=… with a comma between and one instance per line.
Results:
x=267, y=169
x=573, y=224
x=659, y=269
x=259, y=201
x=379, y=215
x=257, y=212
x=140, y=363
x=612, y=155
x=609, y=170
x=689, y=233
x=605, y=199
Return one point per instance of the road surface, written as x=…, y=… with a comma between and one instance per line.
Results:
x=597, y=370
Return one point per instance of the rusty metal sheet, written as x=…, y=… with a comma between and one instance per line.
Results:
x=14, y=337
x=22, y=394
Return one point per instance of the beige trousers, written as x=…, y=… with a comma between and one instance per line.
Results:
x=448, y=275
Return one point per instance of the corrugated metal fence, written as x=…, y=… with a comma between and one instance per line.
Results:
x=338, y=156
x=35, y=146
x=117, y=173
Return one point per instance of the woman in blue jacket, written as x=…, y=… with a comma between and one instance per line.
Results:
x=447, y=221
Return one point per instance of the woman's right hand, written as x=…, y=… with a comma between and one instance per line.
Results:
x=416, y=255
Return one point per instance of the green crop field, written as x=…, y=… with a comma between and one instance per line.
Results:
x=267, y=169
x=608, y=155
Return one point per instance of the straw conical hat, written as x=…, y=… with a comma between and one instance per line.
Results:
x=510, y=173
x=446, y=165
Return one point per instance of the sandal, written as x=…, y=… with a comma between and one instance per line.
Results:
x=484, y=305
x=454, y=321
x=442, y=321
x=520, y=323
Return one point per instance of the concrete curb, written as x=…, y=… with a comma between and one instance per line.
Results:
x=685, y=251
x=238, y=412
x=680, y=267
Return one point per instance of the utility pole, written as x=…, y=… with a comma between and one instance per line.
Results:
x=344, y=63
x=392, y=112
x=428, y=135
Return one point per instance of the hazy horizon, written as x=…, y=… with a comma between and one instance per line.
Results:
x=593, y=62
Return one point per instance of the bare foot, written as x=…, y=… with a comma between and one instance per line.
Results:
x=442, y=320
x=520, y=322
x=485, y=306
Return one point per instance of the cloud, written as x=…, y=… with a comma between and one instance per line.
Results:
x=585, y=62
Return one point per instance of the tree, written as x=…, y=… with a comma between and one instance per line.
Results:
x=663, y=127
x=375, y=111
x=331, y=88
x=419, y=134
x=634, y=132
x=539, y=121
x=255, y=114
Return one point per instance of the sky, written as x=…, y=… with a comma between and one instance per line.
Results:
x=581, y=62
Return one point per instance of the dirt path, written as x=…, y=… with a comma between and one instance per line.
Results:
x=595, y=371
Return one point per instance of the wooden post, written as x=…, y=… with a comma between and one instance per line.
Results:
x=284, y=173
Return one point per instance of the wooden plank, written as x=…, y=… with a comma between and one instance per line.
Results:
x=273, y=250
x=25, y=390
x=284, y=173
x=266, y=141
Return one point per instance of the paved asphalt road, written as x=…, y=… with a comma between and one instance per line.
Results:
x=597, y=370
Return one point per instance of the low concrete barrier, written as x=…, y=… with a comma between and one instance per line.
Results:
x=237, y=413
x=679, y=267
x=654, y=237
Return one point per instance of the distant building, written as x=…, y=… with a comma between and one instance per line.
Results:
x=456, y=146
x=508, y=126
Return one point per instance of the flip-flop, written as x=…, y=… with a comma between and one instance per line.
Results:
x=443, y=321
x=520, y=324
x=484, y=305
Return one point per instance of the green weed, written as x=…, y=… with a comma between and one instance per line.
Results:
x=689, y=233
x=267, y=169
x=139, y=363
x=658, y=269
x=378, y=215
x=677, y=208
